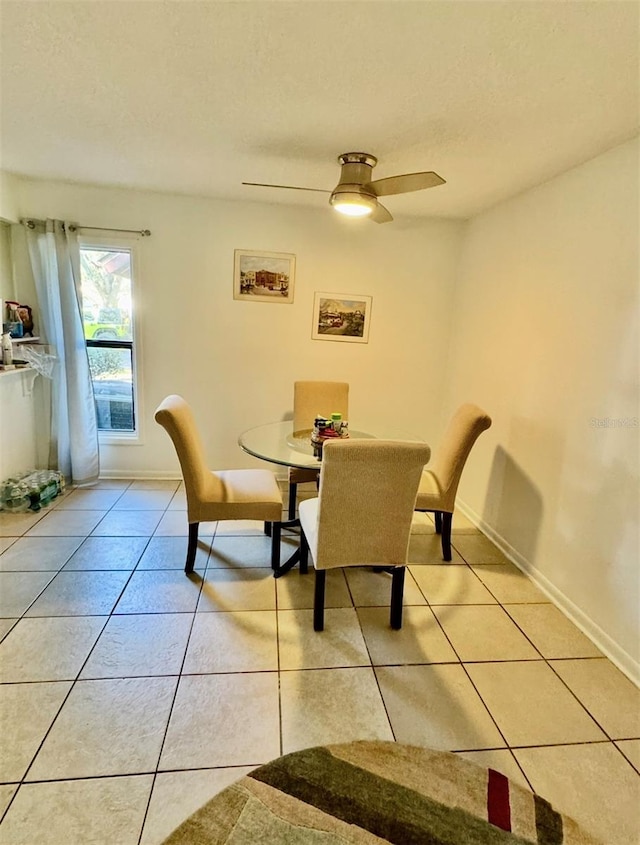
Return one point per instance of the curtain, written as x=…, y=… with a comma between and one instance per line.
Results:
x=54, y=254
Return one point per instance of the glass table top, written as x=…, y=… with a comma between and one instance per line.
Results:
x=278, y=443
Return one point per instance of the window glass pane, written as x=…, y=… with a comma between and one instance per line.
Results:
x=106, y=293
x=112, y=374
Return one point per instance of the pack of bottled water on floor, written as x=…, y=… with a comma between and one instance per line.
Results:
x=31, y=490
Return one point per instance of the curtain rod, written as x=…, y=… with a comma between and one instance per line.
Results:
x=145, y=233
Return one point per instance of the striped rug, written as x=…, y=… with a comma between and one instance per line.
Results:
x=369, y=793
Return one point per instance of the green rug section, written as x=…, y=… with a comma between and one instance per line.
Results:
x=386, y=809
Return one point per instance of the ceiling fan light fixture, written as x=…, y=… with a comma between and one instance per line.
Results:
x=353, y=203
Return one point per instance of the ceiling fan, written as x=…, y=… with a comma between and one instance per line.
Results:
x=356, y=195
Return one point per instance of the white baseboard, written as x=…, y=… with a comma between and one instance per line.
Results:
x=622, y=659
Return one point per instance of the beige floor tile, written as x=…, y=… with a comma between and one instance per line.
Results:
x=531, y=705
x=340, y=644
x=103, y=811
x=176, y=795
x=240, y=528
x=295, y=590
x=19, y=589
x=88, y=500
x=420, y=640
x=171, y=553
x=373, y=589
x=241, y=589
x=631, y=750
x=500, y=760
x=427, y=548
x=128, y=524
x=422, y=523
x=174, y=524
x=551, y=632
x=6, y=542
x=48, y=649
x=61, y=523
x=7, y=791
x=26, y=713
x=242, y=641
x=144, y=500
x=321, y=706
x=611, y=698
x=135, y=646
x=436, y=706
x=160, y=591
x=170, y=484
x=80, y=594
x=446, y=584
x=509, y=585
x=108, y=553
x=179, y=500
x=32, y=554
x=107, y=727
x=462, y=524
x=476, y=548
x=16, y=524
x=5, y=626
x=235, y=552
x=110, y=484
x=483, y=632
x=223, y=720
x=593, y=784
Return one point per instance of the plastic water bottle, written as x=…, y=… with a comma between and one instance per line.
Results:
x=7, y=350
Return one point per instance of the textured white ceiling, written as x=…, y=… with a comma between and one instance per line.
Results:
x=195, y=97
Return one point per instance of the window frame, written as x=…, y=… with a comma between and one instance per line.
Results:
x=122, y=243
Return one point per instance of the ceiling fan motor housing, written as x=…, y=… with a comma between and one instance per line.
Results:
x=356, y=172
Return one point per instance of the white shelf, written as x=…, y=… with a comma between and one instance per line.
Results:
x=25, y=339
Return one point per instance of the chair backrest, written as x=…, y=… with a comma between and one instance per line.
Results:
x=367, y=496
x=311, y=398
x=464, y=428
x=176, y=417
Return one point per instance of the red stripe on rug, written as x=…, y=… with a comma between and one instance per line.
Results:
x=498, y=809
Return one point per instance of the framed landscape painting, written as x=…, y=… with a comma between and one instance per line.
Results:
x=263, y=276
x=341, y=316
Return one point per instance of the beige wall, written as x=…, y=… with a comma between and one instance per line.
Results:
x=236, y=361
x=545, y=337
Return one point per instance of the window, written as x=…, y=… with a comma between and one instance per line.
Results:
x=107, y=315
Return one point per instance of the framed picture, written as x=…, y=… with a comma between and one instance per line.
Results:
x=263, y=276
x=341, y=316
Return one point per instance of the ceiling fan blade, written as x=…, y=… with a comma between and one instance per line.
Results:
x=381, y=215
x=288, y=187
x=406, y=183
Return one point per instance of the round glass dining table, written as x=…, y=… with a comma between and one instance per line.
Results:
x=278, y=443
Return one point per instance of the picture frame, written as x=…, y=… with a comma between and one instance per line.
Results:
x=341, y=316
x=260, y=276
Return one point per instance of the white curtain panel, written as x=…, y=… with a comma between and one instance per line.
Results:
x=54, y=254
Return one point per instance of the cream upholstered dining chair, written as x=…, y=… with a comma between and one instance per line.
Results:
x=439, y=482
x=362, y=514
x=225, y=494
x=311, y=398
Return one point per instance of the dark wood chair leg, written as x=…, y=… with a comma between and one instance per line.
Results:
x=276, y=528
x=192, y=547
x=293, y=495
x=267, y=529
x=397, y=590
x=447, y=518
x=437, y=515
x=304, y=553
x=318, y=600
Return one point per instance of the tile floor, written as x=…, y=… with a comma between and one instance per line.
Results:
x=131, y=693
